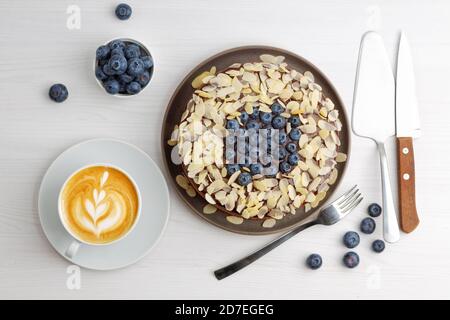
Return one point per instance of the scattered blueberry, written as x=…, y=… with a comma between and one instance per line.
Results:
x=266, y=118
x=135, y=67
x=368, y=225
x=293, y=159
x=244, y=178
x=295, y=121
x=279, y=122
x=132, y=51
x=58, y=92
x=232, y=168
x=133, y=87
x=374, y=210
x=102, y=52
x=291, y=147
x=148, y=62
x=378, y=246
x=232, y=124
x=351, y=239
x=112, y=86
x=314, y=261
x=285, y=167
x=277, y=108
x=123, y=11
x=244, y=117
x=252, y=125
x=118, y=64
x=256, y=168
x=295, y=134
x=351, y=259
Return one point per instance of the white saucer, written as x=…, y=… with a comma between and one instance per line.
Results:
x=155, y=203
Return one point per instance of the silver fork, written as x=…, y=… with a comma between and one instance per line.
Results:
x=328, y=216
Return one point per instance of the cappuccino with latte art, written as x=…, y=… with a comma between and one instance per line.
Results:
x=99, y=204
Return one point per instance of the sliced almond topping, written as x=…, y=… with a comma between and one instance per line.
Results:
x=198, y=139
x=269, y=223
x=235, y=220
x=191, y=192
x=209, y=209
x=341, y=157
x=182, y=181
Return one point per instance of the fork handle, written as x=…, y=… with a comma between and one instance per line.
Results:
x=391, y=231
x=242, y=263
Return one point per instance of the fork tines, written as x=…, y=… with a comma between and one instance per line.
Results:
x=349, y=200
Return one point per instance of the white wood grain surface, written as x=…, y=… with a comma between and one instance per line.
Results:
x=37, y=49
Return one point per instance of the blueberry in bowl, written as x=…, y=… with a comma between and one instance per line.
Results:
x=123, y=67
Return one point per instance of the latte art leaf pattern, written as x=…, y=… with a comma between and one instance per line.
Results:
x=100, y=204
x=104, y=178
x=97, y=209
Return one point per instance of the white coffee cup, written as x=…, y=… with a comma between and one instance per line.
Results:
x=73, y=247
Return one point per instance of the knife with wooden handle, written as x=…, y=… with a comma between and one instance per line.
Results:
x=407, y=128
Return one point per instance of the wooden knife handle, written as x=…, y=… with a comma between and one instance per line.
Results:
x=406, y=185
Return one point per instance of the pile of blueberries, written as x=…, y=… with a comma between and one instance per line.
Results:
x=123, y=67
x=287, y=144
x=351, y=240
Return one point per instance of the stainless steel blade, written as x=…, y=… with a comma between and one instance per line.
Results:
x=374, y=97
x=374, y=115
x=407, y=112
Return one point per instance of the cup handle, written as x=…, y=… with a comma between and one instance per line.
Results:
x=72, y=249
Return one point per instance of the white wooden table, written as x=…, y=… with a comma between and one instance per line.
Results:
x=40, y=45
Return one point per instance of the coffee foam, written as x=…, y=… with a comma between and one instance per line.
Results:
x=99, y=204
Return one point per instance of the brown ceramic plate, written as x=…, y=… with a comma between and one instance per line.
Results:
x=183, y=94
